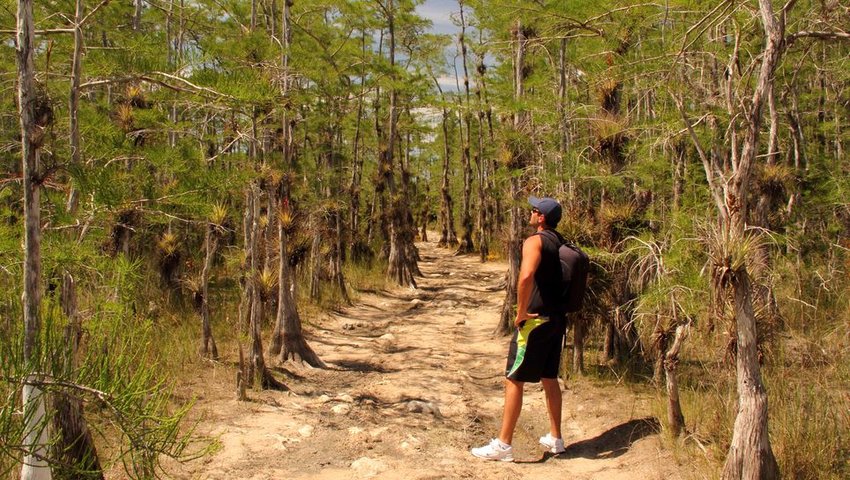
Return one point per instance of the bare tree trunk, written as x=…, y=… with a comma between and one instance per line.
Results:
x=337, y=274
x=466, y=244
x=402, y=259
x=659, y=343
x=247, y=284
x=514, y=241
x=254, y=15
x=333, y=220
x=357, y=161
x=563, y=123
x=208, y=346
x=579, y=327
x=679, y=157
x=287, y=337
x=671, y=363
x=483, y=191
x=258, y=373
x=35, y=441
x=74, y=102
x=315, y=257
x=74, y=449
x=448, y=237
x=137, y=15
x=750, y=455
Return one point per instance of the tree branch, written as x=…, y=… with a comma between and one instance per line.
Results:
x=837, y=35
x=706, y=162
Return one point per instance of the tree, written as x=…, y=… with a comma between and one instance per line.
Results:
x=35, y=117
x=750, y=454
x=516, y=152
x=466, y=243
x=402, y=253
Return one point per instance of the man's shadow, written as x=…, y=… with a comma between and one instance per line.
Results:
x=611, y=443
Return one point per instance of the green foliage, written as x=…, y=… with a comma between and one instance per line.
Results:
x=128, y=395
x=177, y=118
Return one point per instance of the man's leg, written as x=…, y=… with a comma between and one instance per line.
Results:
x=552, y=392
x=513, y=406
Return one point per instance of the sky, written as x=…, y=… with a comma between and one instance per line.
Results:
x=439, y=12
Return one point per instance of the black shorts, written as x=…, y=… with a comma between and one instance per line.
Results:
x=535, y=350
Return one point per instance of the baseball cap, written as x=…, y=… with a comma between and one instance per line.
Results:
x=549, y=207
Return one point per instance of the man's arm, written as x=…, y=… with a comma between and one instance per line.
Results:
x=531, y=254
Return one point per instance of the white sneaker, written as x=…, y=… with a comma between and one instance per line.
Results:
x=495, y=450
x=555, y=445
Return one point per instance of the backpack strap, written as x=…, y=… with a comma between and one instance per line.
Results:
x=553, y=237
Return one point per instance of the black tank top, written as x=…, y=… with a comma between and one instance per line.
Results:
x=547, y=278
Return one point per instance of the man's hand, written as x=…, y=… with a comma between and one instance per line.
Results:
x=520, y=319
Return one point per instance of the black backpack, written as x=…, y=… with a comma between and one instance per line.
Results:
x=574, y=267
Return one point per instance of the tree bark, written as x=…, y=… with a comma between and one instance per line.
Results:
x=208, y=346
x=36, y=436
x=357, y=161
x=288, y=339
x=74, y=448
x=563, y=123
x=402, y=259
x=671, y=363
x=579, y=327
x=137, y=15
x=660, y=339
x=515, y=229
x=315, y=257
x=750, y=455
x=448, y=237
x=466, y=243
x=257, y=371
x=74, y=102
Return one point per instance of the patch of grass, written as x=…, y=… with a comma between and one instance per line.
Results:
x=367, y=276
x=809, y=418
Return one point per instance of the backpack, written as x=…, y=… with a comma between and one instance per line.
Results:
x=574, y=267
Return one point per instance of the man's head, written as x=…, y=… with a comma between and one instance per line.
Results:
x=545, y=209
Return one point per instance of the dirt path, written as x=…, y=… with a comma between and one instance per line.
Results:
x=415, y=381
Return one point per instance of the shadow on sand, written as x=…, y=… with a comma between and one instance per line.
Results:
x=609, y=444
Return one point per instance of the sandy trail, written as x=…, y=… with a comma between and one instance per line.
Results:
x=415, y=380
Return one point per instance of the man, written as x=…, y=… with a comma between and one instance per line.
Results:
x=535, y=349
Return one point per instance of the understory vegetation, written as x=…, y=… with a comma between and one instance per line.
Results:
x=209, y=177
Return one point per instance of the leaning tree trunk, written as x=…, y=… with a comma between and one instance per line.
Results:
x=33, y=113
x=514, y=242
x=74, y=448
